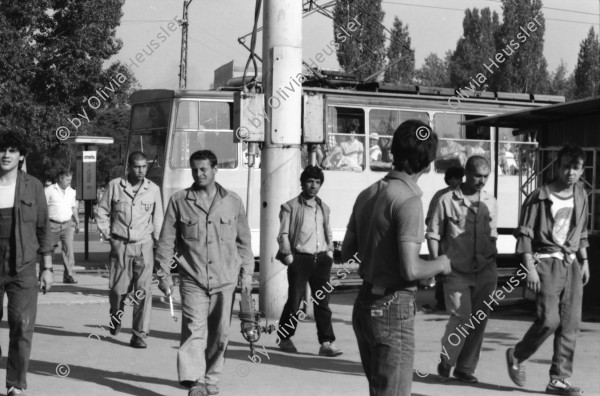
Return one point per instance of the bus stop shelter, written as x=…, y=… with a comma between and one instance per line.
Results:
x=577, y=122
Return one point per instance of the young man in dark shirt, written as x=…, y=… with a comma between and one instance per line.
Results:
x=385, y=231
x=553, y=226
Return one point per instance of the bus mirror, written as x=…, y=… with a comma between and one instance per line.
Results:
x=313, y=119
x=248, y=117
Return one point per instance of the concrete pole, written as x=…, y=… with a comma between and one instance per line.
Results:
x=280, y=166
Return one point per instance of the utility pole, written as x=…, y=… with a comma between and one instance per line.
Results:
x=280, y=166
x=184, y=46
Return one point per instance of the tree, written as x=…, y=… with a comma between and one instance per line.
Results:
x=520, y=41
x=360, y=52
x=400, y=56
x=51, y=57
x=560, y=83
x=434, y=72
x=587, y=71
x=474, y=49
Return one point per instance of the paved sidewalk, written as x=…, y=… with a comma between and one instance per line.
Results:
x=74, y=354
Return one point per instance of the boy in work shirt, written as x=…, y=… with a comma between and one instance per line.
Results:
x=553, y=224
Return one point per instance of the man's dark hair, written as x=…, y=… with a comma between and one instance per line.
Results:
x=572, y=151
x=10, y=139
x=312, y=172
x=454, y=172
x=413, y=146
x=64, y=172
x=204, y=155
x=136, y=156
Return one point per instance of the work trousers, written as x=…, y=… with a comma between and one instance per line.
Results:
x=384, y=329
x=131, y=267
x=22, y=292
x=316, y=270
x=466, y=295
x=558, y=312
x=204, y=332
x=65, y=234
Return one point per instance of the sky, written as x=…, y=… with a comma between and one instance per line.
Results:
x=215, y=25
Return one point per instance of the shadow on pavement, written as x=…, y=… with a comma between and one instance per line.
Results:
x=434, y=380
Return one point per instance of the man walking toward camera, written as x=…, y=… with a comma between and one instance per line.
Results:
x=24, y=234
x=130, y=216
x=554, y=225
x=207, y=226
x=386, y=230
x=463, y=222
x=64, y=219
x=306, y=247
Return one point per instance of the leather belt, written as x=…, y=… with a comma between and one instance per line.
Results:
x=60, y=222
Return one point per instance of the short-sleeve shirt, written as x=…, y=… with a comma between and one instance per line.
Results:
x=60, y=202
x=385, y=214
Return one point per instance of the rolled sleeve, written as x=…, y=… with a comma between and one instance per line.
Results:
x=435, y=225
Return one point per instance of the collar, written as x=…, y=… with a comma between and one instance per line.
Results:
x=406, y=178
x=192, y=195
x=129, y=188
x=304, y=202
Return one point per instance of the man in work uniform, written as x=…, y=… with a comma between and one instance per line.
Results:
x=130, y=216
x=207, y=226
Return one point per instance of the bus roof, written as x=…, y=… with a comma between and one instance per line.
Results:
x=152, y=95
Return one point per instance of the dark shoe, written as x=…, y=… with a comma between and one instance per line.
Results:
x=465, y=377
x=198, y=390
x=516, y=370
x=286, y=345
x=329, y=349
x=443, y=370
x=137, y=342
x=212, y=389
x=115, y=325
x=562, y=387
x=12, y=391
x=69, y=280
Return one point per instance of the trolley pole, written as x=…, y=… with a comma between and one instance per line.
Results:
x=280, y=166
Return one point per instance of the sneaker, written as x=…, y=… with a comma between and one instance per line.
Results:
x=465, y=377
x=12, y=391
x=286, y=345
x=69, y=280
x=443, y=370
x=115, y=325
x=137, y=342
x=212, y=389
x=516, y=370
x=329, y=349
x=198, y=390
x=562, y=387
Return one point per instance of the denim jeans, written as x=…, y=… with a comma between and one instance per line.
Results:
x=384, y=329
x=204, y=332
x=22, y=292
x=131, y=272
x=316, y=270
x=64, y=233
x=558, y=312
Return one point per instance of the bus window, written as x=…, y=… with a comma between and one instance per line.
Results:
x=382, y=125
x=150, y=115
x=446, y=125
x=345, y=144
x=153, y=145
x=203, y=125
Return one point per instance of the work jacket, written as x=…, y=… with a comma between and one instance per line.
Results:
x=213, y=246
x=32, y=226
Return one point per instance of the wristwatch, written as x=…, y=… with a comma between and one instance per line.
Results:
x=51, y=269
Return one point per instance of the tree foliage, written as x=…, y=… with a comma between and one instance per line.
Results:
x=51, y=58
x=434, y=72
x=521, y=40
x=401, y=56
x=587, y=71
x=362, y=53
x=474, y=48
x=560, y=83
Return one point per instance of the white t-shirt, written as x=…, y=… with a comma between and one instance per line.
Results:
x=7, y=196
x=60, y=203
x=562, y=211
